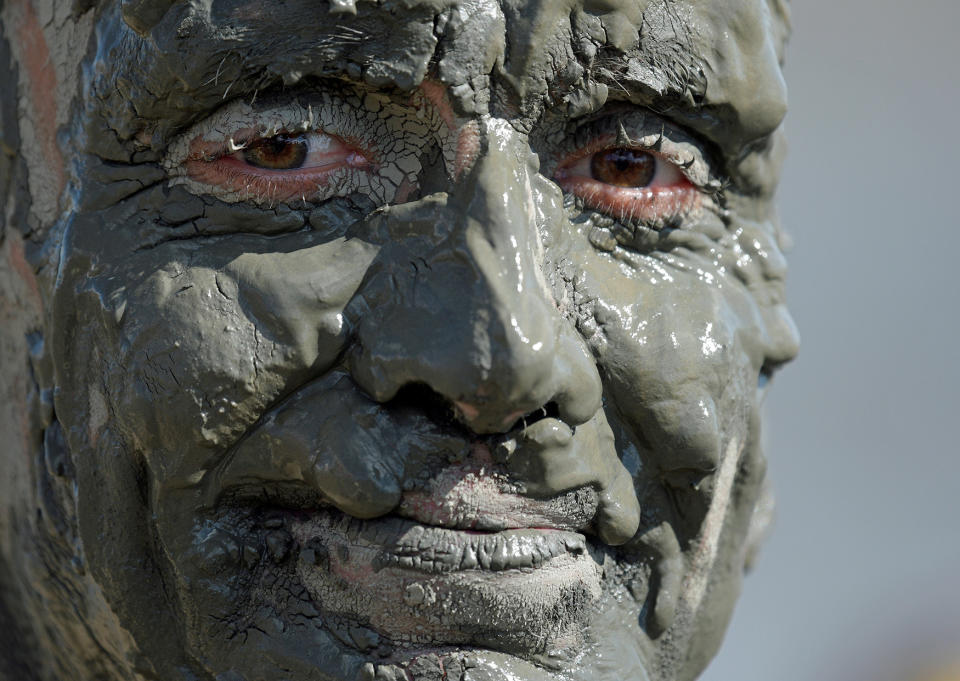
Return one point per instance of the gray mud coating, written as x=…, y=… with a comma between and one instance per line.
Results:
x=429, y=417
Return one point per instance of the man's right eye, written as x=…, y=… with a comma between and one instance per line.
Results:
x=280, y=152
x=281, y=168
x=306, y=149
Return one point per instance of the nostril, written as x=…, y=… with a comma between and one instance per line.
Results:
x=551, y=410
x=423, y=398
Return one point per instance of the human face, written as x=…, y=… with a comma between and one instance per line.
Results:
x=422, y=342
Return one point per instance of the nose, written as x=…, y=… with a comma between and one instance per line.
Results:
x=458, y=300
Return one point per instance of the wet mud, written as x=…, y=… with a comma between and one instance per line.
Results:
x=430, y=403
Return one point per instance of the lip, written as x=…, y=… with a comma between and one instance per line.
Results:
x=407, y=545
x=416, y=535
x=462, y=496
x=465, y=559
x=421, y=586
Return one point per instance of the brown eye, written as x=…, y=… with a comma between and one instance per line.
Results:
x=623, y=167
x=280, y=152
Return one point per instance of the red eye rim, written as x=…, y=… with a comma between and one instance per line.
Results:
x=653, y=205
x=216, y=164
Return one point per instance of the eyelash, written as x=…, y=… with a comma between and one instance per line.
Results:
x=210, y=164
x=224, y=166
x=655, y=205
x=208, y=158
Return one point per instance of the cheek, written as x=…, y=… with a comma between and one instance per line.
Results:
x=193, y=363
x=193, y=355
x=675, y=365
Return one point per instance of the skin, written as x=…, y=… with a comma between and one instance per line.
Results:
x=443, y=419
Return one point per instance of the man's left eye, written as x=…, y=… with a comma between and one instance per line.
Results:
x=629, y=184
x=623, y=167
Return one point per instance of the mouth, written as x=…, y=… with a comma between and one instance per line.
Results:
x=465, y=561
x=405, y=545
x=412, y=536
x=521, y=590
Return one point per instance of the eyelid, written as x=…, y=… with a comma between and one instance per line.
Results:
x=676, y=191
x=602, y=145
x=315, y=140
x=206, y=159
x=391, y=135
x=685, y=164
x=655, y=205
x=641, y=129
x=229, y=174
x=234, y=125
x=234, y=145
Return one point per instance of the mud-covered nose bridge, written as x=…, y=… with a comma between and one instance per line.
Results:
x=474, y=319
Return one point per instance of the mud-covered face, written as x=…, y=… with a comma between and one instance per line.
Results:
x=419, y=340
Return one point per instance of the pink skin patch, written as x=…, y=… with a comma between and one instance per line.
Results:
x=468, y=135
x=405, y=191
x=436, y=94
x=470, y=413
x=468, y=148
x=41, y=86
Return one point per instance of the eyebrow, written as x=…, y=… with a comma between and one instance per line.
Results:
x=170, y=88
x=169, y=91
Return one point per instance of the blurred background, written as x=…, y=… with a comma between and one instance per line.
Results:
x=860, y=580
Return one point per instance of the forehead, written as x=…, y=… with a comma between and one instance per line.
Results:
x=714, y=65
